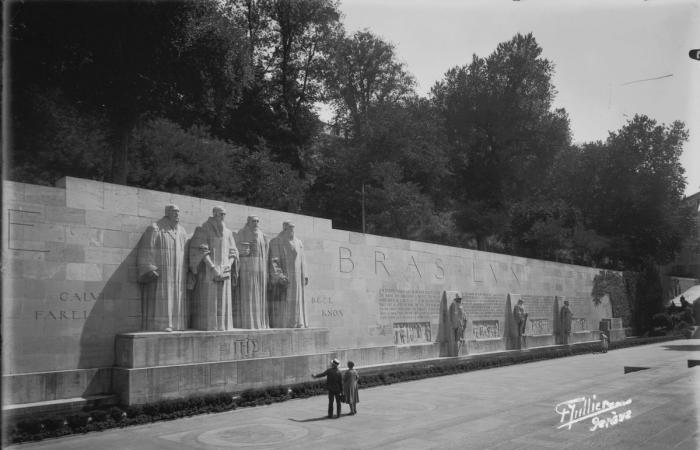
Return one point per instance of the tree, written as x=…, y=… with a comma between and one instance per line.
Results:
x=289, y=45
x=168, y=158
x=121, y=62
x=363, y=73
x=503, y=132
x=630, y=190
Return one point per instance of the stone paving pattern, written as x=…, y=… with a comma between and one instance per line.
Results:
x=503, y=408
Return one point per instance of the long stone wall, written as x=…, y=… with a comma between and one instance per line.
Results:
x=70, y=283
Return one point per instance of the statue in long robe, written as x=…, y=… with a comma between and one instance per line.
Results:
x=163, y=274
x=458, y=324
x=251, y=298
x=565, y=317
x=214, y=262
x=287, y=279
x=520, y=317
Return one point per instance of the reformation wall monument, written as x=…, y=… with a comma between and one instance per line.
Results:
x=115, y=290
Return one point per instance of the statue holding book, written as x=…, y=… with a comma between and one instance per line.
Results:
x=214, y=262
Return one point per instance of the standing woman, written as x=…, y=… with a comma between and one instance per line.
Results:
x=350, y=378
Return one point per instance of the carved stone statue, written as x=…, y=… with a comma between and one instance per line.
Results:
x=520, y=317
x=163, y=273
x=458, y=324
x=214, y=262
x=251, y=301
x=287, y=279
x=565, y=316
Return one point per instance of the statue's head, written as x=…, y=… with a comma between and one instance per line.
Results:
x=172, y=212
x=288, y=228
x=520, y=302
x=458, y=298
x=566, y=302
x=253, y=223
x=218, y=213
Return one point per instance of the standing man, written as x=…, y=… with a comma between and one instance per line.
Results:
x=163, y=274
x=565, y=316
x=214, y=261
x=334, y=384
x=520, y=317
x=251, y=302
x=288, y=278
x=458, y=324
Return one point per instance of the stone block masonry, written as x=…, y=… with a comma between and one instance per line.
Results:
x=70, y=288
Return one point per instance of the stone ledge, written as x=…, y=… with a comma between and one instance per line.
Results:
x=62, y=406
x=152, y=349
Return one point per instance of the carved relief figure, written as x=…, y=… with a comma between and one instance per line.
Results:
x=163, y=273
x=214, y=261
x=458, y=323
x=251, y=301
x=288, y=278
x=520, y=317
x=565, y=316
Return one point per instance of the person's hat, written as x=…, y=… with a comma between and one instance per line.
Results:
x=335, y=361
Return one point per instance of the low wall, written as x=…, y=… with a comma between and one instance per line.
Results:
x=70, y=284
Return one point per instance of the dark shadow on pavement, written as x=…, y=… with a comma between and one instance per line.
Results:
x=683, y=348
x=315, y=419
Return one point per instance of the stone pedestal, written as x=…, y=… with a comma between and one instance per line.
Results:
x=157, y=366
x=538, y=340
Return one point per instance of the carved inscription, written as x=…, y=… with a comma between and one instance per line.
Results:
x=578, y=324
x=397, y=305
x=486, y=329
x=68, y=299
x=482, y=306
x=345, y=262
x=239, y=348
x=540, y=327
x=412, y=332
x=321, y=300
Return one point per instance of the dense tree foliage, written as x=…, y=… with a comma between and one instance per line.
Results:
x=504, y=134
x=218, y=99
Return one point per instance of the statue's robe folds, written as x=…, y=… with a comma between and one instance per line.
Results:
x=212, y=305
x=162, y=248
x=566, y=316
x=287, y=308
x=251, y=298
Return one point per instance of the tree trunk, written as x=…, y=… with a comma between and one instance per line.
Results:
x=120, y=150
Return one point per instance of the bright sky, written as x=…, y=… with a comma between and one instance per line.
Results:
x=597, y=47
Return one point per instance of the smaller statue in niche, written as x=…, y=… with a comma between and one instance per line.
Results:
x=565, y=317
x=520, y=317
x=458, y=324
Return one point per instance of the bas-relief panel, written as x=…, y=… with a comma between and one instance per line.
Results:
x=412, y=332
x=486, y=329
x=579, y=324
x=538, y=327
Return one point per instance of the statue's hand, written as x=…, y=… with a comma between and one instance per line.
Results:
x=149, y=276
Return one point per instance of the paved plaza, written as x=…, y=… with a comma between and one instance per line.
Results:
x=511, y=407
